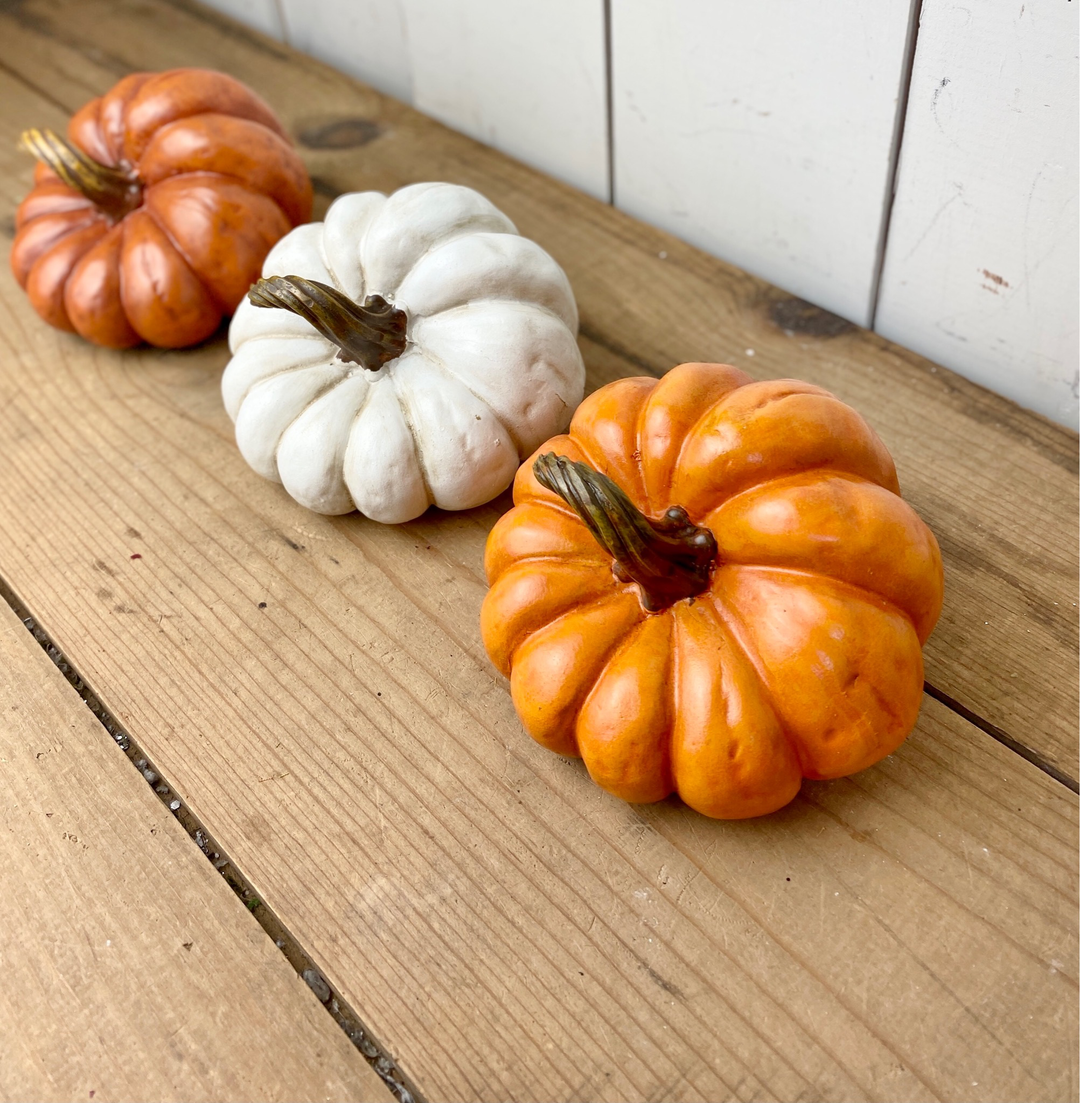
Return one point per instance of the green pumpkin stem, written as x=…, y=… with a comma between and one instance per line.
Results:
x=670, y=559
x=113, y=190
x=370, y=335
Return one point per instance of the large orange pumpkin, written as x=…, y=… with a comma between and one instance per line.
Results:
x=152, y=220
x=711, y=586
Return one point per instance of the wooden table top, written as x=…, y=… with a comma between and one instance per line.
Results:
x=312, y=695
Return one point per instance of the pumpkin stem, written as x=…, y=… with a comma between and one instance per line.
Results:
x=370, y=335
x=115, y=191
x=669, y=559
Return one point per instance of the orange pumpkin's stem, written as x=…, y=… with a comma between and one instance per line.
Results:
x=370, y=335
x=114, y=191
x=669, y=559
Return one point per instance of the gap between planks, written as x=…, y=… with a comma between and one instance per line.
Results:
x=991, y=575
x=336, y=1006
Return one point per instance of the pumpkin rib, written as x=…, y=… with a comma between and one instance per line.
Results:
x=93, y=293
x=57, y=198
x=201, y=268
x=599, y=747
x=410, y=424
x=660, y=392
x=532, y=674
x=499, y=558
x=593, y=603
x=42, y=284
x=731, y=624
x=233, y=404
x=29, y=249
x=523, y=596
x=851, y=742
x=508, y=419
x=732, y=755
x=440, y=363
x=218, y=139
x=921, y=583
x=852, y=446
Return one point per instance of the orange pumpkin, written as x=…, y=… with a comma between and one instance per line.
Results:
x=711, y=586
x=152, y=220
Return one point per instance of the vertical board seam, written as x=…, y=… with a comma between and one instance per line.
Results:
x=610, y=104
x=899, y=123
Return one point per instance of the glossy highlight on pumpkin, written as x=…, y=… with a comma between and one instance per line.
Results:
x=801, y=658
x=187, y=180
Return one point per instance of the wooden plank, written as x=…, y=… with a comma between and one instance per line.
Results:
x=728, y=135
x=130, y=969
x=997, y=485
x=980, y=271
x=505, y=927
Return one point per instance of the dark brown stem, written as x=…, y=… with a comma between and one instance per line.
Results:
x=370, y=335
x=669, y=559
x=116, y=192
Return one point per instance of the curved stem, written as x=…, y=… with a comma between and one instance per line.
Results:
x=669, y=559
x=116, y=192
x=370, y=335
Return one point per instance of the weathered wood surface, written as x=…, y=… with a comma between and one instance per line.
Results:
x=997, y=485
x=130, y=970
x=506, y=929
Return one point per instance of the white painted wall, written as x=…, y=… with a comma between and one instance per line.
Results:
x=981, y=268
x=263, y=15
x=763, y=132
x=766, y=133
x=527, y=77
x=365, y=38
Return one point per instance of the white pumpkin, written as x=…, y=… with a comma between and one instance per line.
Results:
x=480, y=371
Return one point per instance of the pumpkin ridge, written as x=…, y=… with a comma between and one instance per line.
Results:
x=440, y=363
x=693, y=427
x=183, y=256
x=630, y=640
x=410, y=424
x=522, y=637
x=312, y=363
x=870, y=597
x=732, y=625
x=24, y=271
x=303, y=409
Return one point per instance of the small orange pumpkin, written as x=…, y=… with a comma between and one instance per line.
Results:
x=711, y=586
x=153, y=219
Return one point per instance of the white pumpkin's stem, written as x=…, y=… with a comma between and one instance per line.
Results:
x=370, y=335
x=114, y=191
x=669, y=559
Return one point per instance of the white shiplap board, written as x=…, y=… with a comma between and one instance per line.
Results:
x=364, y=38
x=981, y=264
x=763, y=132
x=527, y=77
x=263, y=15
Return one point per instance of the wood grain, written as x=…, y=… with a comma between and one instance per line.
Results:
x=316, y=691
x=507, y=929
x=980, y=270
x=130, y=969
x=997, y=485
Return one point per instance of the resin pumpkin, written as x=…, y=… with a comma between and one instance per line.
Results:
x=711, y=586
x=420, y=349
x=151, y=221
